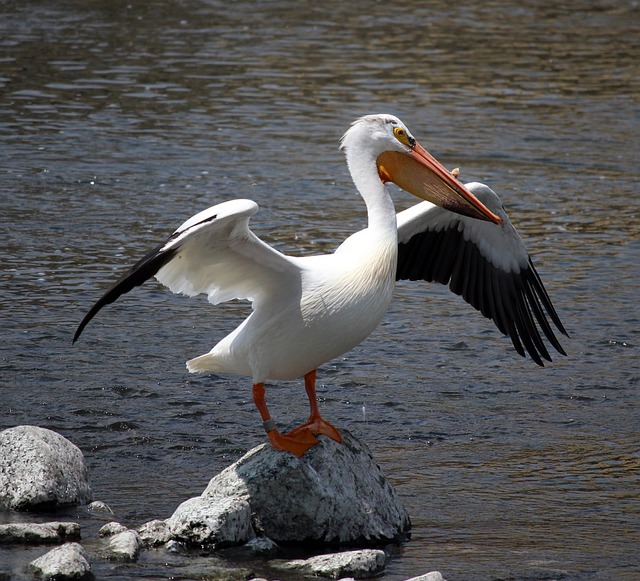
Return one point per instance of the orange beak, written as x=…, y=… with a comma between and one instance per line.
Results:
x=422, y=175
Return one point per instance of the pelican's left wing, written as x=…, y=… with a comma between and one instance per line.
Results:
x=215, y=253
x=487, y=264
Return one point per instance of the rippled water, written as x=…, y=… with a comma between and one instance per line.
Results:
x=119, y=120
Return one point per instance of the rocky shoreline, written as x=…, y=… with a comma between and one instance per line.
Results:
x=334, y=505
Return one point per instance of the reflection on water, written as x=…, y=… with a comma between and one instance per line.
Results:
x=119, y=120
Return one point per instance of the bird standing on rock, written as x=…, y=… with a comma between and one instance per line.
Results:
x=309, y=310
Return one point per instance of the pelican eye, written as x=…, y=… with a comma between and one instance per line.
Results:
x=403, y=137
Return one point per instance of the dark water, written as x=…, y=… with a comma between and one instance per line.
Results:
x=120, y=120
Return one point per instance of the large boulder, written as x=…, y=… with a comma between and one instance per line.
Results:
x=334, y=493
x=40, y=469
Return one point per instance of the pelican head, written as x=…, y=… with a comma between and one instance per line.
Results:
x=386, y=141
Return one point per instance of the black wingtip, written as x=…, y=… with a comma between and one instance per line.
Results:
x=81, y=327
x=139, y=273
x=107, y=298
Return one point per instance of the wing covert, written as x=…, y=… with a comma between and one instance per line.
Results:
x=214, y=253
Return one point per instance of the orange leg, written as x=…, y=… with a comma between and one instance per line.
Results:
x=297, y=444
x=315, y=424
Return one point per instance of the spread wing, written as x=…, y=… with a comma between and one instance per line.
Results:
x=214, y=253
x=487, y=264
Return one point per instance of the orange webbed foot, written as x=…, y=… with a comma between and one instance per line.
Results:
x=317, y=426
x=297, y=444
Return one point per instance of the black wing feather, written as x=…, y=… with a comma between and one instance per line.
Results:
x=445, y=263
x=514, y=301
x=138, y=274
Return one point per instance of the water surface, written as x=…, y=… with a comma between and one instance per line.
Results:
x=120, y=120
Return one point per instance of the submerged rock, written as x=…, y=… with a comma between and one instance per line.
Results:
x=39, y=469
x=335, y=493
x=99, y=506
x=39, y=533
x=358, y=564
x=212, y=570
x=66, y=563
x=262, y=546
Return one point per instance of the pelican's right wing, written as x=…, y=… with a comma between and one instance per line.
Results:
x=214, y=253
x=487, y=264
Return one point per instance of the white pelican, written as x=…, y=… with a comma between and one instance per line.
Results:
x=308, y=310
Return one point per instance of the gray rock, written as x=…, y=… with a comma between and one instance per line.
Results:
x=335, y=492
x=432, y=576
x=213, y=522
x=124, y=546
x=110, y=529
x=263, y=546
x=358, y=564
x=155, y=533
x=38, y=533
x=40, y=469
x=175, y=547
x=66, y=563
